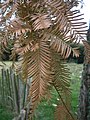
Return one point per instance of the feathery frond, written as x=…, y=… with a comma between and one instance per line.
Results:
x=36, y=64
x=61, y=83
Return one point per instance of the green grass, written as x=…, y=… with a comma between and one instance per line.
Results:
x=76, y=73
x=5, y=114
x=45, y=110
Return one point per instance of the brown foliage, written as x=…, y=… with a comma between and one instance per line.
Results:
x=40, y=30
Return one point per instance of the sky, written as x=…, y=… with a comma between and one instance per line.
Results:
x=86, y=11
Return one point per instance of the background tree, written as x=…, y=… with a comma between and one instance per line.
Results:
x=84, y=106
x=42, y=32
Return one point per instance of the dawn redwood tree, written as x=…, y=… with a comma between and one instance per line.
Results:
x=41, y=32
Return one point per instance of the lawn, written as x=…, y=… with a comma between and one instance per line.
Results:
x=45, y=110
x=76, y=74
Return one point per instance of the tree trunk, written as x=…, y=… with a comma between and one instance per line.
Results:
x=84, y=100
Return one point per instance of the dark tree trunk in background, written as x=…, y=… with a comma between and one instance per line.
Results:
x=84, y=100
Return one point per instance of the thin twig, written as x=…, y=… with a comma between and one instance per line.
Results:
x=64, y=103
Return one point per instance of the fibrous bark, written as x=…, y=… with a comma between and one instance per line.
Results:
x=84, y=99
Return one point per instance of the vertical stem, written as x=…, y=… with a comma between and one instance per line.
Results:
x=15, y=92
x=3, y=90
x=10, y=89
